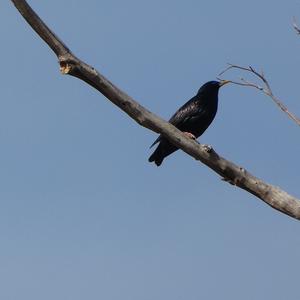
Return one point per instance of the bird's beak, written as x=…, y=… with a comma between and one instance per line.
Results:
x=223, y=82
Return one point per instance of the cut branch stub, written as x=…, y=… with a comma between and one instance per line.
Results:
x=65, y=68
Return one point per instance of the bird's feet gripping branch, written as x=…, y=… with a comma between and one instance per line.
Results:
x=193, y=118
x=189, y=135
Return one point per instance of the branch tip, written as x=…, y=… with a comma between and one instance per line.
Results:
x=295, y=25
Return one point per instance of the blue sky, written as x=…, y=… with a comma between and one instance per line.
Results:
x=83, y=215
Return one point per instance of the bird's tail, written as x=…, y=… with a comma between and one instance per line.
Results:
x=157, y=157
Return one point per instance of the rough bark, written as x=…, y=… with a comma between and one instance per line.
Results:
x=230, y=172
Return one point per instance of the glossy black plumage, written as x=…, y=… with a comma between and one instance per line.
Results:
x=193, y=117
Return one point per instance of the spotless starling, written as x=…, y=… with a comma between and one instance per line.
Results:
x=193, y=118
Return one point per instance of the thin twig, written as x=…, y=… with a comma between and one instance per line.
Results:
x=266, y=89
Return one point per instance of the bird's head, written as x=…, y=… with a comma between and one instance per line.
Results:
x=212, y=87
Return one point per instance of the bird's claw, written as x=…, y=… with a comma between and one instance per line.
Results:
x=189, y=135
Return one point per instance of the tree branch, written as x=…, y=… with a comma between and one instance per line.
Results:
x=70, y=64
x=266, y=89
x=295, y=25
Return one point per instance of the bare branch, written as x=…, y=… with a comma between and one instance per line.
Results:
x=238, y=176
x=266, y=89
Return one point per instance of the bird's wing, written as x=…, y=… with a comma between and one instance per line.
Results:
x=186, y=112
x=189, y=110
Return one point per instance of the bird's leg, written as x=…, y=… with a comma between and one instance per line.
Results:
x=189, y=135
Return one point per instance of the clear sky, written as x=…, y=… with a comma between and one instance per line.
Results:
x=83, y=215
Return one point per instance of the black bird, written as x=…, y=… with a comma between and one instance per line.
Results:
x=193, y=118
